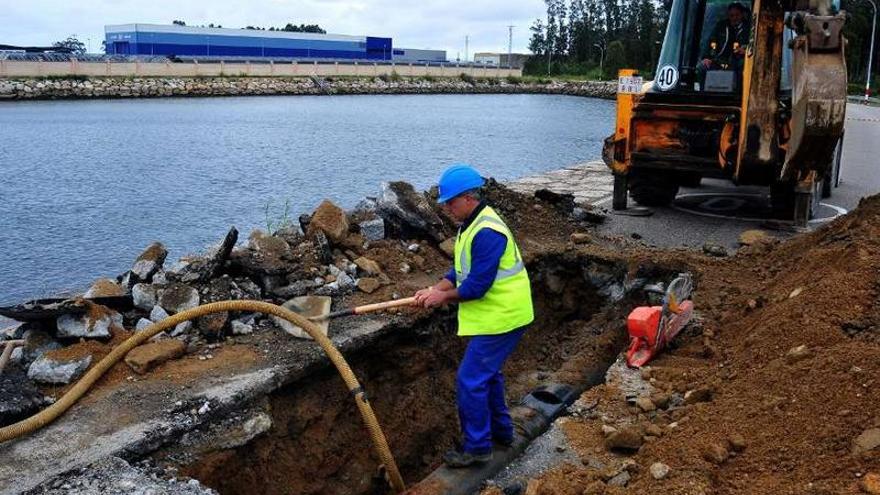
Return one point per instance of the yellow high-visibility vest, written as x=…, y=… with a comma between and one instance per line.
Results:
x=507, y=305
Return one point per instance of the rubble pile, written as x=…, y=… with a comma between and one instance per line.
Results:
x=772, y=390
x=385, y=248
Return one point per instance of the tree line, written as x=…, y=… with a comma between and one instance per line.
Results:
x=596, y=38
x=290, y=27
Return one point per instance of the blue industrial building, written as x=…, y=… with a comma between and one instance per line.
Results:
x=155, y=39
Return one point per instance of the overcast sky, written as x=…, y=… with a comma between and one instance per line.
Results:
x=435, y=24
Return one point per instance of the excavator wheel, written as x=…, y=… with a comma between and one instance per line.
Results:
x=653, y=187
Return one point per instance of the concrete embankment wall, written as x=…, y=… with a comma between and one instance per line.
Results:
x=145, y=87
x=20, y=68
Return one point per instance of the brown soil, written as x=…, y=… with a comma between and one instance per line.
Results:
x=317, y=443
x=798, y=417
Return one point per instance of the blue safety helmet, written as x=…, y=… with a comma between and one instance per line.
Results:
x=457, y=179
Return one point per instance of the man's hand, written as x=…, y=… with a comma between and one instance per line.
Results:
x=707, y=63
x=422, y=295
x=436, y=298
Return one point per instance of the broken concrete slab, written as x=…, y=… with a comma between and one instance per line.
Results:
x=104, y=287
x=149, y=262
x=93, y=324
x=47, y=369
x=145, y=357
x=177, y=297
x=408, y=213
x=36, y=343
x=144, y=296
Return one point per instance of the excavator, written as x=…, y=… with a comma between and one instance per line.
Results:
x=752, y=92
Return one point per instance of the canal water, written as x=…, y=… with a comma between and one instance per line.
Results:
x=86, y=185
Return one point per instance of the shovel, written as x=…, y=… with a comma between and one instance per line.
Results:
x=317, y=309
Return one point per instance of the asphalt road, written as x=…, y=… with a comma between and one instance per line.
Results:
x=676, y=226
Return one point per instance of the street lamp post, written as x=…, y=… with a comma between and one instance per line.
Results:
x=871, y=50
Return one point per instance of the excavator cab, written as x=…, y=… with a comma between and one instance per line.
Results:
x=749, y=91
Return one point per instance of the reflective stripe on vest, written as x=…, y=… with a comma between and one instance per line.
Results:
x=465, y=264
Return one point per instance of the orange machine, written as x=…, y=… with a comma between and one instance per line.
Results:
x=767, y=112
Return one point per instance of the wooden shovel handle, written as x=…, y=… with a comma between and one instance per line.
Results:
x=369, y=308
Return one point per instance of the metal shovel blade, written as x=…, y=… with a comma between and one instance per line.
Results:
x=311, y=307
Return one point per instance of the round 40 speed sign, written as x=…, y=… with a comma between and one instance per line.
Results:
x=667, y=78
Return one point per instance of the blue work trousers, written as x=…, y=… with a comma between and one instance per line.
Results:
x=480, y=387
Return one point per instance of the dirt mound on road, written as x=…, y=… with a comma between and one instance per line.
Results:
x=789, y=354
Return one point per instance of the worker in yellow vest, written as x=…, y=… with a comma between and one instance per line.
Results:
x=490, y=284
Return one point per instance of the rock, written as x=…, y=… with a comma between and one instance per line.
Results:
x=607, y=430
x=201, y=269
x=405, y=268
x=715, y=453
x=408, y=213
x=645, y=404
x=47, y=369
x=177, y=297
x=325, y=254
x=659, y=470
x=149, y=262
x=795, y=292
x=36, y=343
x=448, y=247
x=241, y=328
x=870, y=483
x=19, y=398
x=158, y=314
x=160, y=278
x=626, y=439
x=714, y=250
x=703, y=394
x=142, y=324
x=737, y=442
x=296, y=289
x=369, y=266
x=413, y=248
x=661, y=400
x=269, y=246
x=93, y=324
x=344, y=281
x=580, y=238
x=104, y=287
x=181, y=328
x=331, y=220
x=653, y=430
x=368, y=285
x=755, y=236
x=798, y=353
x=304, y=220
x=144, y=296
x=212, y=325
x=145, y=357
x=245, y=288
x=373, y=230
x=621, y=479
x=594, y=488
x=868, y=440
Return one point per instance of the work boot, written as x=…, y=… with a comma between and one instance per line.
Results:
x=463, y=459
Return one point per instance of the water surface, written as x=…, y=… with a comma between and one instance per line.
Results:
x=86, y=185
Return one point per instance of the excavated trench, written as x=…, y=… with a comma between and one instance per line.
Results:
x=317, y=442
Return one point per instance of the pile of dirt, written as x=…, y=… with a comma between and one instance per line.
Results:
x=786, y=363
